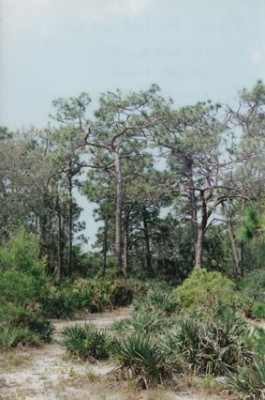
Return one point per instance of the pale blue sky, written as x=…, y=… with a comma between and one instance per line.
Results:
x=194, y=50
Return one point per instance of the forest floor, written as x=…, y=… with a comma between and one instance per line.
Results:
x=48, y=373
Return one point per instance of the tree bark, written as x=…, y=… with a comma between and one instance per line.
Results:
x=149, y=265
x=199, y=248
x=236, y=250
x=201, y=227
x=105, y=245
x=59, y=271
x=70, y=222
x=118, y=215
x=126, y=246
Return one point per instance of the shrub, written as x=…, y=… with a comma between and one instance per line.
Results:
x=36, y=324
x=11, y=337
x=157, y=300
x=253, y=286
x=56, y=302
x=25, y=329
x=141, y=356
x=212, y=346
x=121, y=295
x=205, y=289
x=86, y=342
x=22, y=273
x=249, y=380
x=258, y=310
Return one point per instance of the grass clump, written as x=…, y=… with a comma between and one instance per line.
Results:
x=86, y=342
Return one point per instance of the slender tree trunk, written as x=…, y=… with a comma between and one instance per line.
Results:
x=199, y=248
x=126, y=247
x=70, y=223
x=149, y=265
x=236, y=250
x=105, y=245
x=118, y=215
x=59, y=239
x=201, y=228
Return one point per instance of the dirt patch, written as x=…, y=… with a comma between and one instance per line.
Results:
x=48, y=373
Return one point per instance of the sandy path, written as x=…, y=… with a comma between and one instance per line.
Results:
x=48, y=373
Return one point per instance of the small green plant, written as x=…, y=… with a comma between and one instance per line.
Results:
x=11, y=337
x=258, y=310
x=249, y=380
x=157, y=300
x=86, y=342
x=141, y=356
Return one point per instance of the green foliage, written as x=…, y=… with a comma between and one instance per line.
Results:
x=11, y=337
x=21, y=253
x=253, y=285
x=205, y=289
x=98, y=294
x=56, y=301
x=26, y=329
x=209, y=346
x=86, y=342
x=21, y=272
x=121, y=296
x=249, y=380
x=35, y=323
x=157, y=300
x=141, y=355
x=258, y=310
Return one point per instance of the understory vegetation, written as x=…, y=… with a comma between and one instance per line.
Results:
x=164, y=338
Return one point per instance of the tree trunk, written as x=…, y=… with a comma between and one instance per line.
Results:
x=105, y=245
x=149, y=265
x=201, y=228
x=199, y=248
x=236, y=250
x=192, y=201
x=59, y=239
x=70, y=223
x=125, y=247
x=118, y=215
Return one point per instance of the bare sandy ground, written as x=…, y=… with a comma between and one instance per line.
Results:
x=47, y=373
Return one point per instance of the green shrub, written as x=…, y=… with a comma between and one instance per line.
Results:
x=210, y=346
x=86, y=342
x=56, y=302
x=141, y=356
x=11, y=337
x=121, y=295
x=205, y=289
x=26, y=329
x=258, y=310
x=21, y=273
x=98, y=294
x=34, y=323
x=157, y=300
x=253, y=286
x=249, y=380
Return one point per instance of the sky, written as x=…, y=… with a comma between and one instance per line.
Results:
x=193, y=49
